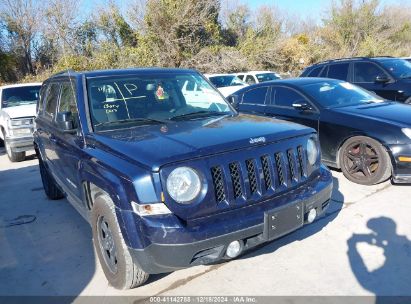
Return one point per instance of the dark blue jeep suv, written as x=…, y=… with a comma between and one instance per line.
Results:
x=169, y=177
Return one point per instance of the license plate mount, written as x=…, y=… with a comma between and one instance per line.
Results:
x=283, y=220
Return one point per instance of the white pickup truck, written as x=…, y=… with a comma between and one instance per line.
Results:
x=17, y=112
x=227, y=84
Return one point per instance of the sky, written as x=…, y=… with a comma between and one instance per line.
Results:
x=307, y=8
x=300, y=7
x=312, y=9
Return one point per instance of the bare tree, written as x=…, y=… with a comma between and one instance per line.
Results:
x=22, y=18
x=61, y=23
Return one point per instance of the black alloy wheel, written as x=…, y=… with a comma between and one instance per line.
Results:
x=365, y=161
x=107, y=245
x=118, y=264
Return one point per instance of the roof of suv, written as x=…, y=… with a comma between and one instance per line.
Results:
x=112, y=72
x=17, y=85
x=378, y=58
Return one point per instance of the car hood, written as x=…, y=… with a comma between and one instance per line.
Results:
x=226, y=91
x=158, y=145
x=21, y=111
x=389, y=112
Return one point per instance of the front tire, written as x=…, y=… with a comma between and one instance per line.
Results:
x=53, y=192
x=14, y=156
x=364, y=161
x=117, y=263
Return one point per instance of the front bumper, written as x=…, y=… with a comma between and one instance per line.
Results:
x=20, y=144
x=401, y=170
x=170, y=248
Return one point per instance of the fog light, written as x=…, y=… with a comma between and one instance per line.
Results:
x=312, y=215
x=234, y=249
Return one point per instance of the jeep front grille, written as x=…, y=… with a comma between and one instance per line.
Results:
x=266, y=171
x=279, y=165
x=261, y=175
x=291, y=166
x=236, y=179
x=300, y=151
x=218, y=182
x=252, y=178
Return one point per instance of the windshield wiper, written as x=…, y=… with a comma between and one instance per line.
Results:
x=130, y=120
x=199, y=114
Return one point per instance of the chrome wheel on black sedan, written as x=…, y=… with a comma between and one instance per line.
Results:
x=364, y=161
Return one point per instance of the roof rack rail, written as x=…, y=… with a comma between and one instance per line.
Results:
x=340, y=59
x=382, y=56
x=63, y=72
x=347, y=58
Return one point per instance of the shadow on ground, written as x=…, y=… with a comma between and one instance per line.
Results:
x=46, y=246
x=392, y=277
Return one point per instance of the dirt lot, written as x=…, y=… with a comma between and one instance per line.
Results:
x=361, y=247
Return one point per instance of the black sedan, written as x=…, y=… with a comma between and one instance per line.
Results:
x=368, y=138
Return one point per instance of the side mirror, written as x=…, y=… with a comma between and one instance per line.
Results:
x=301, y=106
x=65, y=122
x=382, y=79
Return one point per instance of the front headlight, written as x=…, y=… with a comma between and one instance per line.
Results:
x=20, y=122
x=183, y=184
x=312, y=151
x=407, y=132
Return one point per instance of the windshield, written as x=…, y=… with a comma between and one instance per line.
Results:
x=333, y=94
x=267, y=77
x=135, y=100
x=226, y=81
x=18, y=96
x=398, y=67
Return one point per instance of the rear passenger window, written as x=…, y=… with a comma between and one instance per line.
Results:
x=324, y=72
x=338, y=71
x=285, y=97
x=366, y=72
x=51, y=100
x=68, y=98
x=315, y=72
x=255, y=96
x=241, y=77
